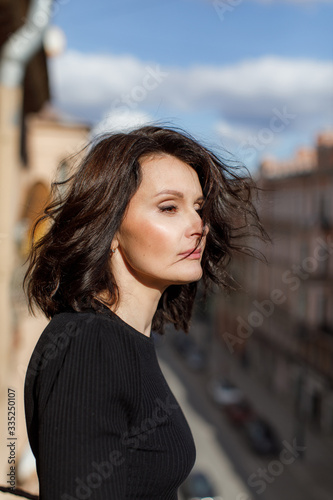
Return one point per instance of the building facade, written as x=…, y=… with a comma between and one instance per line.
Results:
x=281, y=323
x=49, y=142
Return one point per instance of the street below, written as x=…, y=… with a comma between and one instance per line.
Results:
x=222, y=451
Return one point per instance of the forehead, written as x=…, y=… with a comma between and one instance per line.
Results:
x=160, y=172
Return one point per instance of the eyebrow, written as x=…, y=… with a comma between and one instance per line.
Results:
x=174, y=192
x=179, y=194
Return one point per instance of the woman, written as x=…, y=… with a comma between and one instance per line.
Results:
x=144, y=217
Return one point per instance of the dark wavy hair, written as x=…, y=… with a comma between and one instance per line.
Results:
x=69, y=266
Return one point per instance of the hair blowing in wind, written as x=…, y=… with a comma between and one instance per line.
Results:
x=69, y=266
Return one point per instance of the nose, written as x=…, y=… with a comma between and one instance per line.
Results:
x=196, y=227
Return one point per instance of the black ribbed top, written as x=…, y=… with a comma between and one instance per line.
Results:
x=102, y=421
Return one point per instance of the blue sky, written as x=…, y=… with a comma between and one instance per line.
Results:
x=255, y=77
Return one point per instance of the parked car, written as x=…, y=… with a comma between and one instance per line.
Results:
x=239, y=413
x=198, y=487
x=223, y=392
x=262, y=437
x=190, y=351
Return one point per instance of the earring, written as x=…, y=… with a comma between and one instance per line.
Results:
x=113, y=250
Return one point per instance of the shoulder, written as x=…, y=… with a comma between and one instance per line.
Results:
x=76, y=339
x=80, y=329
x=86, y=343
x=80, y=362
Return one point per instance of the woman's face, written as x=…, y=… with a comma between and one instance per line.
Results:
x=162, y=225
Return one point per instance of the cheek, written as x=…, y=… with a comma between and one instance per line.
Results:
x=149, y=237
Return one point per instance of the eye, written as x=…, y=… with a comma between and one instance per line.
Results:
x=168, y=209
x=199, y=209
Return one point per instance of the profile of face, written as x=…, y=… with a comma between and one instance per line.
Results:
x=161, y=227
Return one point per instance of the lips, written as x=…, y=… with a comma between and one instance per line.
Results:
x=194, y=252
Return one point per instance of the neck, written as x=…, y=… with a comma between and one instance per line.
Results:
x=138, y=299
x=138, y=310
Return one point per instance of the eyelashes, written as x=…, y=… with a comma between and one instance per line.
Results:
x=168, y=209
x=173, y=209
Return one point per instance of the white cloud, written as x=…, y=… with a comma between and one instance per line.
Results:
x=244, y=91
x=242, y=98
x=232, y=133
x=93, y=79
x=119, y=121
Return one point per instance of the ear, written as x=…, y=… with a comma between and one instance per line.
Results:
x=114, y=243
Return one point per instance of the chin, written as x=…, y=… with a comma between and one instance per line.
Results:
x=189, y=278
